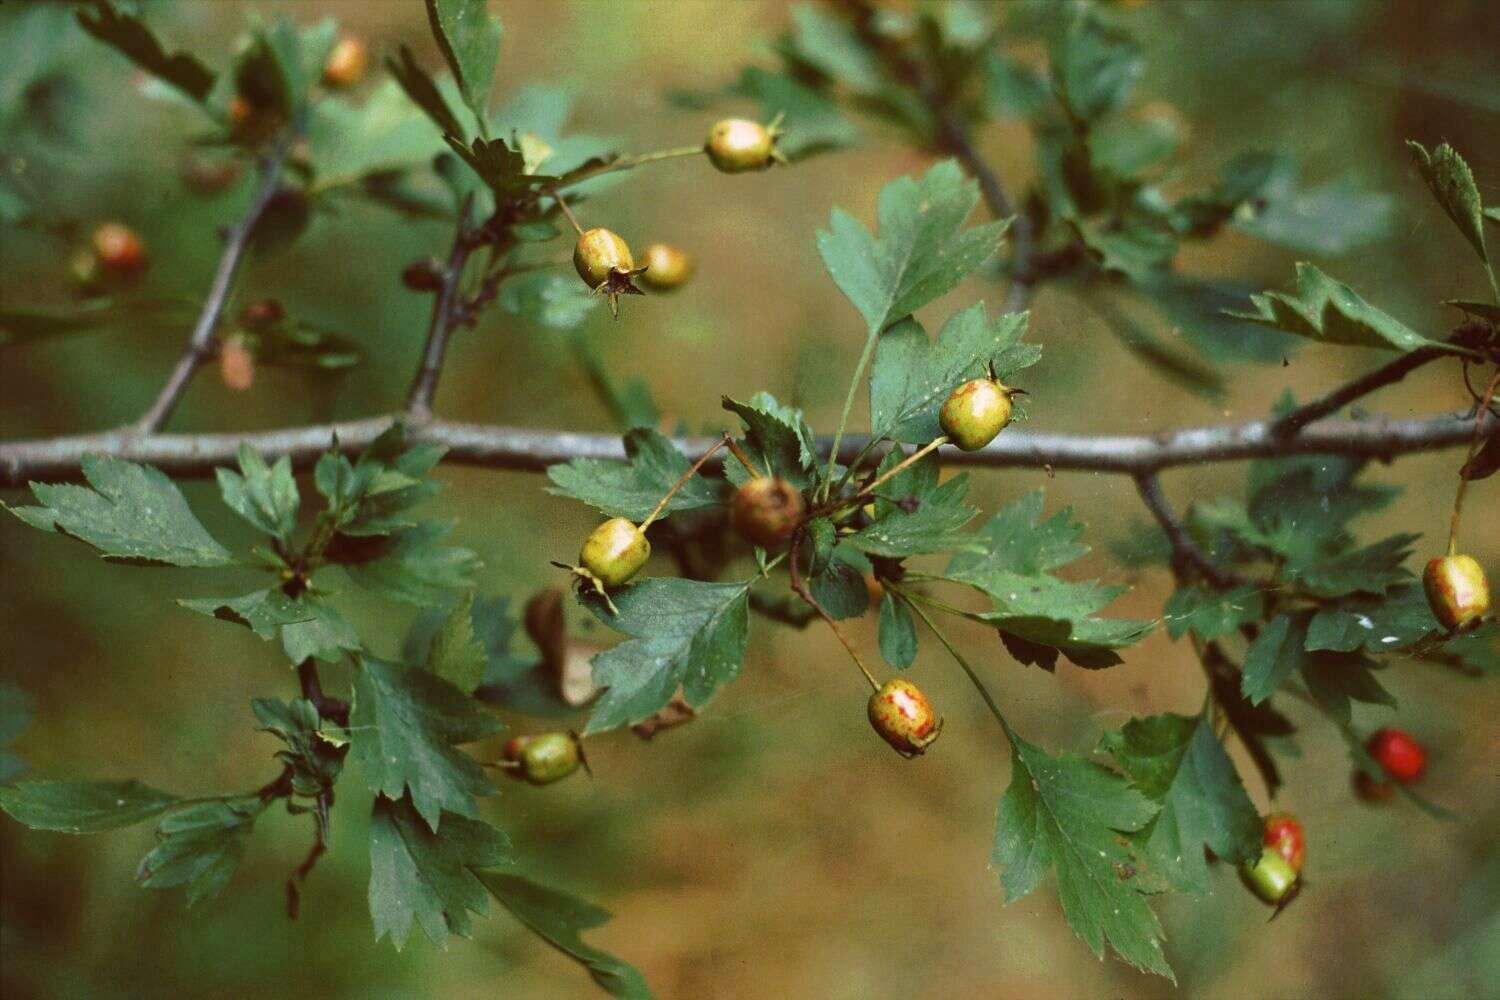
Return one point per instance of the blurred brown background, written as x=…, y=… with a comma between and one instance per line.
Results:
x=774, y=847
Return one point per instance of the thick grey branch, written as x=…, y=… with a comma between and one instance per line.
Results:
x=532, y=450
x=200, y=342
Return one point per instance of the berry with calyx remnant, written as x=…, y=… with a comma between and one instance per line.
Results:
x=346, y=63
x=975, y=412
x=1271, y=877
x=737, y=145
x=666, y=267
x=544, y=759
x=236, y=363
x=903, y=717
x=118, y=249
x=1457, y=590
x=615, y=551
x=765, y=511
x=1283, y=834
x=1398, y=753
x=603, y=261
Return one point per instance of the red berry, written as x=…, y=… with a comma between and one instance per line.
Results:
x=1284, y=835
x=119, y=249
x=1402, y=756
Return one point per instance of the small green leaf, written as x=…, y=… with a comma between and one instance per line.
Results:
x=404, y=726
x=200, y=847
x=922, y=250
x=456, y=655
x=1068, y=813
x=469, y=37
x=264, y=495
x=777, y=439
x=634, y=487
x=1452, y=184
x=1177, y=761
x=428, y=877
x=684, y=633
x=1094, y=67
x=897, y=632
x=307, y=626
x=424, y=93
x=1373, y=569
x=915, y=514
x=128, y=35
x=83, y=806
x=412, y=566
x=558, y=918
x=1336, y=679
x=133, y=513
x=1277, y=652
x=840, y=587
x=1209, y=613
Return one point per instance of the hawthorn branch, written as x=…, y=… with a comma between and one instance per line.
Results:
x=1387, y=374
x=524, y=449
x=200, y=345
x=1186, y=553
x=446, y=310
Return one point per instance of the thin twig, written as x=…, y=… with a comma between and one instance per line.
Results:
x=1463, y=476
x=445, y=309
x=1185, y=552
x=200, y=342
x=1387, y=374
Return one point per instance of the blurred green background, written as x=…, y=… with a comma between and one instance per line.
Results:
x=773, y=847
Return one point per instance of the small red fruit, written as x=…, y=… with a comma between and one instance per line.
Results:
x=765, y=511
x=346, y=63
x=118, y=249
x=236, y=363
x=903, y=717
x=1457, y=590
x=1283, y=834
x=1398, y=753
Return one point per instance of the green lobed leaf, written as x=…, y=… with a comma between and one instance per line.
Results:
x=1094, y=67
x=427, y=877
x=558, y=918
x=777, y=440
x=1452, y=184
x=200, y=847
x=129, y=35
x=1177, y=761
x=922, y=250
x=1329, y=219
x=520, y=683
x=83, y=806
x=412, y=566
x=1330, y=311
x=348, y=142
x=1373, y=569
x=1209, y=613
x=133, y=513
x=683, y=633
x=264, y=495
x=404, y=727
x=1337, y=679
x=911, y=377
x=632, y=488
x=456, y=654
x=315, y=755
x=307, y=626
x=424, y=93
x=896, y=632
x=915, y=514
x=469, y=37
x=840, y=585
x=1279, y=650
x=1067, y=813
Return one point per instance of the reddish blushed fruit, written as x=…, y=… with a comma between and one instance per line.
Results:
x=1398, y=753
x=1367, y=789
x=543, y=759
x=118, y=249
x=975, y=412
x=236, y=363
x=765, y=511
x=1283, y=834
x=903, y=717
x=615, y=551
x=346, y=63
x=666, y=267
x=1457, y=590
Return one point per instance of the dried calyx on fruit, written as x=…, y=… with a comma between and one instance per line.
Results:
x=1398, y=753
x=737, y=145
x=1283, y=834
x=603, y=261
x=903, y=717
x=765, y=511
x=1457, y=590
x=976, y=411
x=666, y=267
x=543, y=759
x=1271, y=877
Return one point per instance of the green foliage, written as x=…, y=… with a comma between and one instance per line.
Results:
x=16, y=708
x=632, y=488
x=1210, y=614
x=314, y=754
x=683, y=633
x=915, y=514
x=456, y=654
x=1452, y=184
x=469, y=37
x=307, y=626
x=777, y=439
x=83, y=806
x=131, y=513
x=264, y=495
x=1327, y=310
x=404, y=726
x=199, y=847
x=128, y=35
x=897, y=633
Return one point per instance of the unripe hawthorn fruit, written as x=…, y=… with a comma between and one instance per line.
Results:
x=737, y=145
x=615, y=551
x=262, y=313
x=1457, y=590
x=543, y=759
x=1283, y=834
x=346, y=63
x=666, y=267
x=1272, y=877
x=84, y=267
x=765, y=511
x=1398, y=753
x=118, y=249
x=903, y=717
x=236, y=363
x=975, y=412
x=600, y=254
